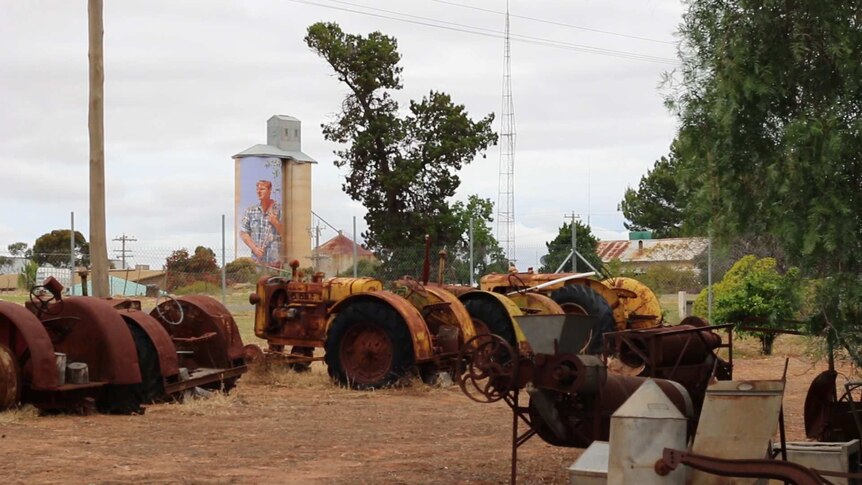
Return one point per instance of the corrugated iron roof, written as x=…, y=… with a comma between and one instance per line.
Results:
x=261, y=150
x=341, y=244
x=652, y=250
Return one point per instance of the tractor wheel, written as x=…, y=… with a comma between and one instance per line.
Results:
x=127, y=399
x=10, y=379
x=490, y=317
x=583, y=300
x=368, y=346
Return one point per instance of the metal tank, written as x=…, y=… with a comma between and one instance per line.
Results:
x=641, y=428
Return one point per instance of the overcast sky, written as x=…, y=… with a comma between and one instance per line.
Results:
x=188, y=84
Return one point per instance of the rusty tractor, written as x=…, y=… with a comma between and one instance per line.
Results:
x=371, y=337
x=618, y=303
x=572, y=395
x=117, y=357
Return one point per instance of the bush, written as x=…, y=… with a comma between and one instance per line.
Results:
x=664, y=278
x=198, y=288
x=241, y=270
x=754, y=291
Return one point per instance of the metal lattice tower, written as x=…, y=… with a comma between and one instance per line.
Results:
x=506, y=188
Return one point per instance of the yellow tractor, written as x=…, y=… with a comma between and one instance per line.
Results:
x=617, y=303
x=371, y=337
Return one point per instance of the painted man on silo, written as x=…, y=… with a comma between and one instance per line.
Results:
x=261, y=228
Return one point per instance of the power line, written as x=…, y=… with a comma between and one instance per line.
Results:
x=561, y=24
x=468, y=29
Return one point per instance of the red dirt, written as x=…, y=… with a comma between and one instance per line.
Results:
x=302, y=429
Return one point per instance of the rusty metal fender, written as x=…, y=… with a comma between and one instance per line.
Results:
x=510, y=306
x=91, y=330
x=536, y=303
x=168, y=362
x=638, y=305
x=21, y=331
x=423, y=349
x=463, y=320
x=202, y=315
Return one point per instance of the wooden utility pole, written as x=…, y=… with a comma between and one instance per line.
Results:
x=98, y=241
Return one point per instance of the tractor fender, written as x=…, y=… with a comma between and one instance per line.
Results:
x=536, y=303
x=503, y=301
x=423, y=350
x=21, y=331
x=91, y=330
x=168, y=362
x=462, y=318
x=204, y=315
x=639, y=306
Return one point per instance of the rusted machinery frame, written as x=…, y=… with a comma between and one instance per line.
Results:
x=221, y=375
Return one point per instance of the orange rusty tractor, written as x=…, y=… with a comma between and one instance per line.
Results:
x=372, y=337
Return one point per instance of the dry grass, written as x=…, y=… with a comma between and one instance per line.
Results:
x=215, y=404
x=18, y=415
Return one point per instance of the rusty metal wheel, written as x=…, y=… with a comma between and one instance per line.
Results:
x=10, y=379
x=368, y=346
x=487, y=367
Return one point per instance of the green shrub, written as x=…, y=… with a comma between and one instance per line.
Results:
x=754, y=291
x=198, y=288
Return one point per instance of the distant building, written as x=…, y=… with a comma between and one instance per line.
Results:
x=638, y=255
x=336, y=255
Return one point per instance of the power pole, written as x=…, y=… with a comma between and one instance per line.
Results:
x=574, y=217
x=98, y=242
x=122, y=252
x=316, y=257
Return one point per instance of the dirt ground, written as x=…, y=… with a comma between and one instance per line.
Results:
x=288, y=428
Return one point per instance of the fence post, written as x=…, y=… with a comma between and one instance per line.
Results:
x=681, y=304
x=72, y=257
x=709, y=278
x=472, y=270
x=355, y=268
x=223, y=279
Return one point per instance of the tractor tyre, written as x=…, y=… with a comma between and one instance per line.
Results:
x=583, y=300
x=127, y=399
x=10, y=379
x=492, y=317
x=368, y=346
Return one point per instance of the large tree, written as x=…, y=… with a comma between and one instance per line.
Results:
x=561, y=246
x=659, y=202
x=769, y=98
x=488, y=256
x=53, y=248
x=403, y=169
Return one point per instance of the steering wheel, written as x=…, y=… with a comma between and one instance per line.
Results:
x=42, y=298
x=519, y=285
x=487, y=367
x=172, y=307
x=413, y=286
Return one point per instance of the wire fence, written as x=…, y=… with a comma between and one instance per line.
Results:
x=205, y=270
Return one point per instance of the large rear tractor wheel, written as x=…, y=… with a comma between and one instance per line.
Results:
x=583, y=300
x=10, y=379
x=490, y=317
x=368, y=346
